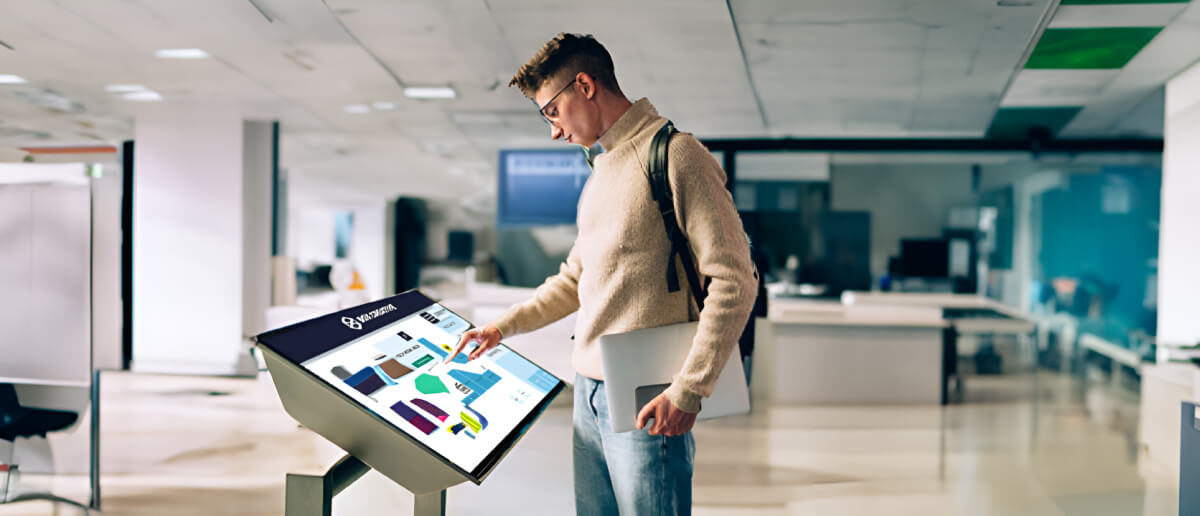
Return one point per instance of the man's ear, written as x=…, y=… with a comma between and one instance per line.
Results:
x=588, y=85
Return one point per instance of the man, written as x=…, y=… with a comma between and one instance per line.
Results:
x=615, y=277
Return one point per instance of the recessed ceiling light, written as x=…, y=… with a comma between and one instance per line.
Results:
x=142, y=96
x=11, y=79
x=124, y=88
x=384, y=106
x=181, y=53
x=357, y=109
x=430, y=92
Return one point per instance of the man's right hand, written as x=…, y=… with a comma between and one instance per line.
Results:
x=487, y=337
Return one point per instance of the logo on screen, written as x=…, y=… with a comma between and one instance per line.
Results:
x=351, y=323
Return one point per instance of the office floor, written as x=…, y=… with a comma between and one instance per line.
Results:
x=189, y=445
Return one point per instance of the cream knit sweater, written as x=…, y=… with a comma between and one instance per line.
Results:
x=615, y=275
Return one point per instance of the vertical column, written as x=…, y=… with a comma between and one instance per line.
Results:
x=1178, y=239
x=201, y=221
x=258, y=164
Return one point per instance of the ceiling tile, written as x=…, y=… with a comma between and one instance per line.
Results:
x=1089, y=48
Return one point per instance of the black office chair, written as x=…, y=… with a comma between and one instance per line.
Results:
x=17, y=421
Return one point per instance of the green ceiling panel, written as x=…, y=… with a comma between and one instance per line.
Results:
x=1099, y=48
x=1111, y=2
x=1015, y=123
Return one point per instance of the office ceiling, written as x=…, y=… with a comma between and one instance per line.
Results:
x=746, y=68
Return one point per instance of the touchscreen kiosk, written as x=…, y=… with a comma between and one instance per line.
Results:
x=374, y=380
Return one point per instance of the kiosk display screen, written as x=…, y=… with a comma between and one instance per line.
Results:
x=394, y=365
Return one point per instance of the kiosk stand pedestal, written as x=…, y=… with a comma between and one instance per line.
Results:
x=334, y=408
x=312, y=495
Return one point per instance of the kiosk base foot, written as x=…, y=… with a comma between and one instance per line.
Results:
x=431, y=504
x=312, y=495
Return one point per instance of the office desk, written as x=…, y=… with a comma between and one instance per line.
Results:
x=968, y=317
x=824, y=352
x=873, y=347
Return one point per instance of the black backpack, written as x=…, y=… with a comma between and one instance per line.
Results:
x=660, y=189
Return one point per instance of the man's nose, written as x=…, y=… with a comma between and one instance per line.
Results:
x=556, y=132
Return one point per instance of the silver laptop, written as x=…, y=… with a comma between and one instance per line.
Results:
x=640, y=364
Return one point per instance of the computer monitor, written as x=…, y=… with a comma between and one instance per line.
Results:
x=385, y=360
x=925, y=257
x=540, y=187
x=460, y=246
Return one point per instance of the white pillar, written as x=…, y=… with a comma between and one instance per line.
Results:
x=201, y=227
x=1179, y=233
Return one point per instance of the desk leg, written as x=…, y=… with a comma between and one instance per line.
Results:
x=949, y=360
x=94, y=461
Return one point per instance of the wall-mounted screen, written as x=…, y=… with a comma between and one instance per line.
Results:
x=540, y=187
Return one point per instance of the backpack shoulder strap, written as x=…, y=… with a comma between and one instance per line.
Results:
x=660, y=188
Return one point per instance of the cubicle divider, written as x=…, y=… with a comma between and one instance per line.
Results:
x=45, y=299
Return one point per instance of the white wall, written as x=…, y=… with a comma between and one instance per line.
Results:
x=368, y=251
x=1179, y=239
x=189, y=224
x=905, y=201
x=310, y=235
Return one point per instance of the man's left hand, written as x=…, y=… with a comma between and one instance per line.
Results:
x=668, y=419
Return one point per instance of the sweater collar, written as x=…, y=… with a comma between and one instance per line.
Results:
x=634, y=119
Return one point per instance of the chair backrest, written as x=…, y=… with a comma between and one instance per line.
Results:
x=9, y=405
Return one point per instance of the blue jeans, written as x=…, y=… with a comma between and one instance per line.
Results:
x=629, y=473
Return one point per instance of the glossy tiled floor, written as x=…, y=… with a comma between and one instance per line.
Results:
x=187, y=445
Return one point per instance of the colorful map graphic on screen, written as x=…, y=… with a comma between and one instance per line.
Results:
x=413, y=417
x=366, y=381
x=460, y=358
x=478, y=383
x=432, y=409
x=430, y=384
x=462, y=410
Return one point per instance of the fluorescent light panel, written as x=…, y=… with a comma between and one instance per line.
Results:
x=142, y=96
x=181, y=53
x=357, y=109
x=11, y=79
x=430, y=92
x=124, y=88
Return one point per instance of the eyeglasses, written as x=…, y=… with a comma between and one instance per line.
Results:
x=546, y=117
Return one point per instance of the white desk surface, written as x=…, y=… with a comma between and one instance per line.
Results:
x=46, y=383
x=828, y=312
x=932, y=299
x=900, y=309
